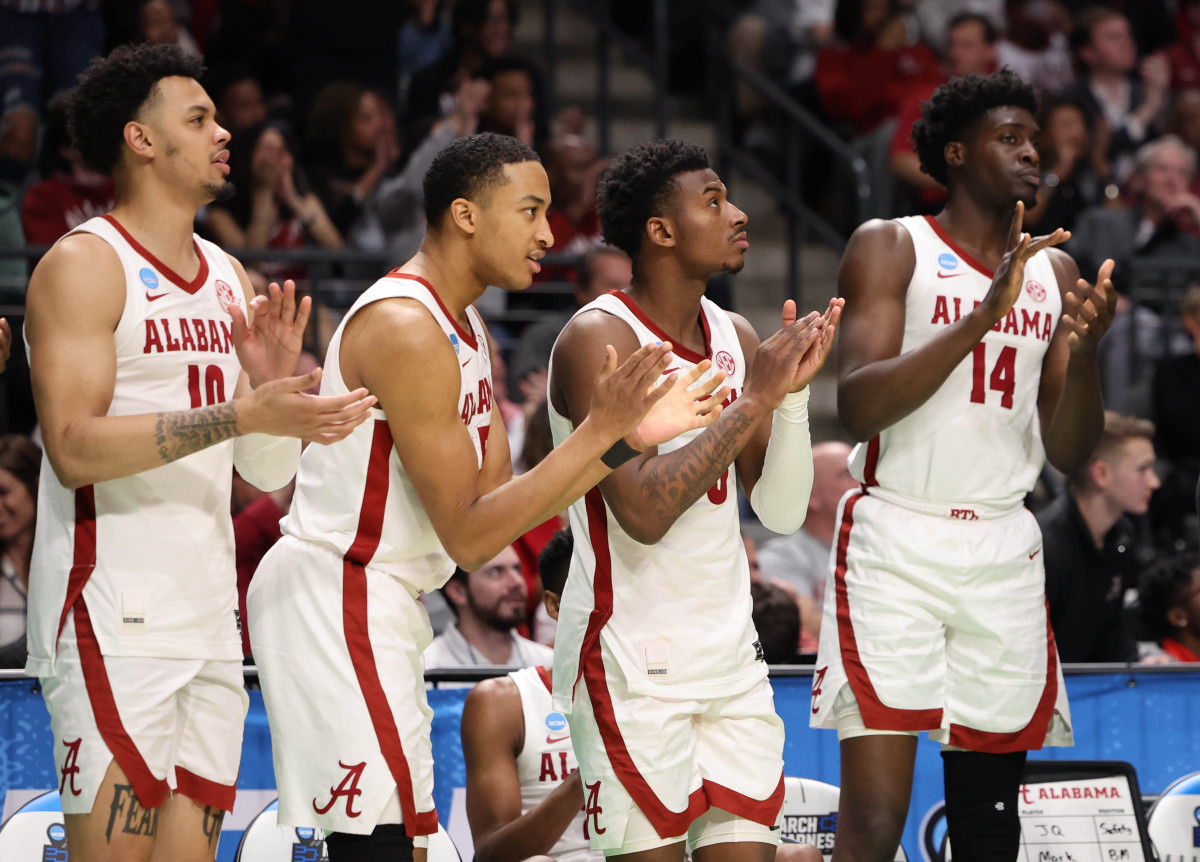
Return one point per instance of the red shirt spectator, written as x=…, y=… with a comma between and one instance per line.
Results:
x=57, y=205
x=842, y=71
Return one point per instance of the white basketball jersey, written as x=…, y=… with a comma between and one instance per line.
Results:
x=547, y=759
x=977, y=440
x=152, y=553
x=676, y=614
x=353, y=496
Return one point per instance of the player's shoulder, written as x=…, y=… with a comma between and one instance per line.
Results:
x=594, y=326
x=886, y=236
x=79, y=263
x=494, y=697
x=1065, y=268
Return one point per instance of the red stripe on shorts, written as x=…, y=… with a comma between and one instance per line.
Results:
x=872, y=462
x=666, y=823
x=151, y=792
x=204, y=790
x=1033, y=735
x=875, y=714
x=83, y=561
x=358, y=640
x=764, y=811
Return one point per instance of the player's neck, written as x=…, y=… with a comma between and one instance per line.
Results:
x=163, y=226
x=448, y=270
x=1188, y=640
x=1099, y=514
x=493, y=644
x=980, y=230
x=673, y=303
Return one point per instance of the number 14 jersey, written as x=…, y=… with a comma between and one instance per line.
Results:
x=978, y=439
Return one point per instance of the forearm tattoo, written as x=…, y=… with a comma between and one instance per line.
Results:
x=186, y=431
x=680, y=478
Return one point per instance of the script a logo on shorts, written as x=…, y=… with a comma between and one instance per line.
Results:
x=556, y=722
x=70, y=768
x=150, y=278
x=592, y=811
x=725, y=362
x=348, y=789
x=225, y=295
x=56, y=850
x=1035, y=289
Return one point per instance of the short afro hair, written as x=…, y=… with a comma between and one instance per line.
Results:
x=639, y=185
x=956, y=105
x=554, y=561
x=1160, y=589
x=113, y=90
x=470, y=168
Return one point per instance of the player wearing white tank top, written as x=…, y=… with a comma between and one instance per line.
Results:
x=656, y=662
x=386, y=513
x=967, y=358
x=144, y=343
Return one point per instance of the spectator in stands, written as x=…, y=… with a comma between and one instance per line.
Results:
x=800, y=562
x=1075, y=170
x=777, y=621
x=488, y=604
x=1035, y=44
x=158, y=22
x=1184, y=54
x=425, y=38
x=238, y=96
x=482, y=30
x=71, y=194
x=44, y=45
x=572, y=167
x=1089, y=555
x=873, y=47
x=970, y=49
x=1184, y=121
x=354, y=159
x=20, y=462
x=1169, y=600
x=272, y=206
x=512, y=104
x=1177, y=418
x=1119, y=95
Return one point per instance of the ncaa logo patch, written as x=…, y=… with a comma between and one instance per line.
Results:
x=454, y=341
x=149, y=277
x=225, y=295
x=1035, y=289
x=947, y=261
x=556, y=721
x=725, y=362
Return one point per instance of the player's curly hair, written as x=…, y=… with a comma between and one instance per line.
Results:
x=639, y=185
x=958, y=103
x=113, y=90
x=470, y=168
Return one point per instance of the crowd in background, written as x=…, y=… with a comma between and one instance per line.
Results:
x=336, y=117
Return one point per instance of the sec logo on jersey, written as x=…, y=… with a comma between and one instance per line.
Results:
x=725, y=362
x=225, y=295
x=1035, y=289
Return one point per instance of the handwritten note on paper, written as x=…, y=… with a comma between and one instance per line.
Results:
x=1085, y=820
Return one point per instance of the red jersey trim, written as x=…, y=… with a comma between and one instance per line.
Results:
x=676, y=347
x=1178, y=651
x=544, y=675
x=83, y=562
x=871, y=463
x=875, y=713
x=468, y=337
x=945, y=237
x=357, y=631
x=1033, y=735
x=151, y=792
x=175, y=278
x=764, y=811
x=204, y=790
x=601, y=579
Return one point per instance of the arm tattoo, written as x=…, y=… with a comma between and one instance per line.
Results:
x=186, y=431
x=680, y=478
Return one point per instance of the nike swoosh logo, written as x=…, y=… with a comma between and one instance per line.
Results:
x=949, y=274
x=552, y=740
x=670, y=371
x=153, y=296
x=1035, y=553
x=465, y=364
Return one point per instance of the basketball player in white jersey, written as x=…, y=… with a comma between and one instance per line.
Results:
x=968, y=358
x=145, y=343
x=656, y=659
x=384, y=515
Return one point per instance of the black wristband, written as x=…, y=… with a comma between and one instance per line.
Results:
x=618, y=453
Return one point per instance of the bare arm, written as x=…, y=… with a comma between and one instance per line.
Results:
x=877, y=385
x=473, y=520
x=75, y=300
x=649, y=493
x=492, y=737
x=1070, y=403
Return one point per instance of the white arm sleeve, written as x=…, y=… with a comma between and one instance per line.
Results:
x=780, y=497
x=266, y=462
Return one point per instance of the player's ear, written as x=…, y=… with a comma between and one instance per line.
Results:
x=1100, y=473
x=456, y=591
x=551, y=601
x=462, y=213
x=658, y=231
x=137, y=138
x=1176, y=616
x=954, y=154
